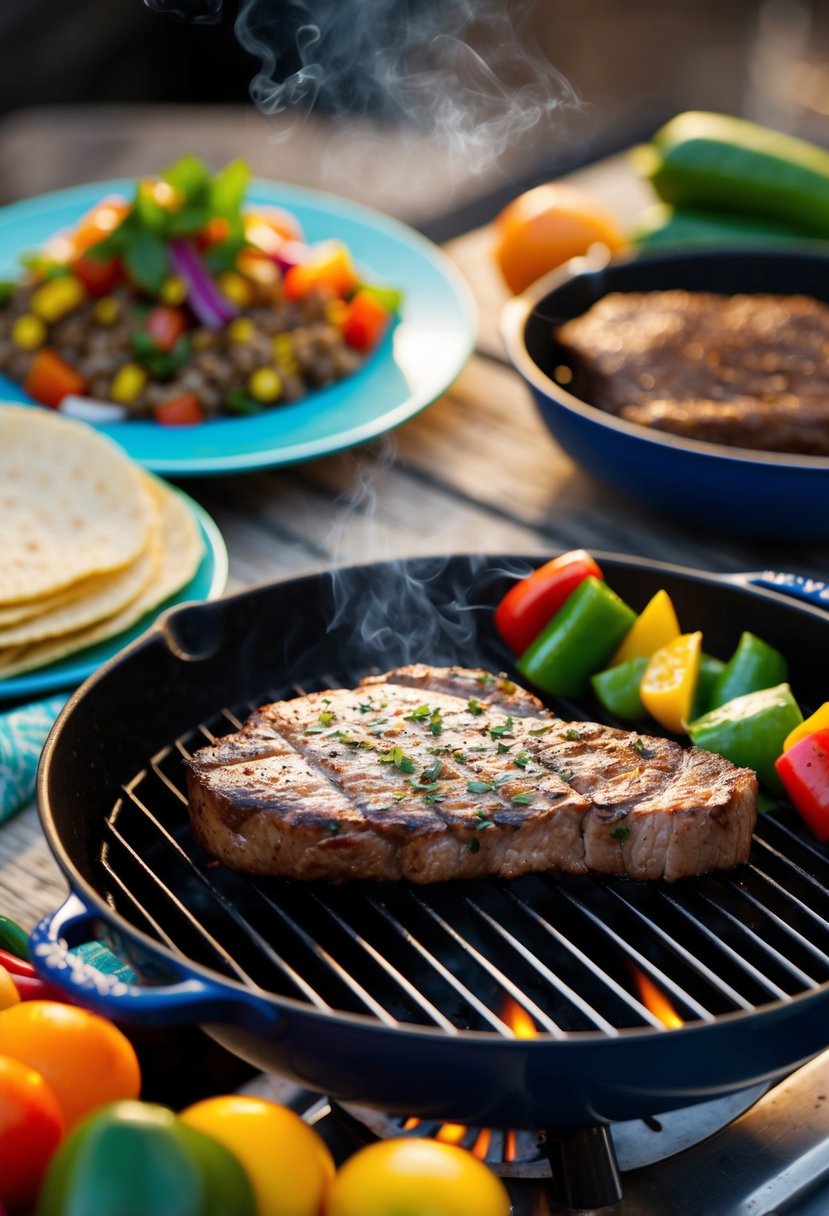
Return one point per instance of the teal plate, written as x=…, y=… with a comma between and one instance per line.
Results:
x=206, y=584
x=418, y=360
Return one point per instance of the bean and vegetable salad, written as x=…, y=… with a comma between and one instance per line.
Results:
x=571, y=634
x=182, y=305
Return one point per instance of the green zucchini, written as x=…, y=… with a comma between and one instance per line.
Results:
x=663, y=226
x=715, y=161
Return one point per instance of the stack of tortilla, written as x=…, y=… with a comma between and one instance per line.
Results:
x=89, y=542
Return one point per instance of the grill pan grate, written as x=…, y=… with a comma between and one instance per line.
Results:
x=569, y=951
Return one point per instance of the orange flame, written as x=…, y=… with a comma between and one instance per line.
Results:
x=451, y=1133
x=656, y=1001
x=481, y=1146
x=510, y=1145
x=518, y=1020
x=411, y=1124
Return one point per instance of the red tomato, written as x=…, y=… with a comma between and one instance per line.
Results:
x=532, y=602
x=182, y=410
x=31, y=1124
x=165, y=325
x=98, y=278
x=365, y=321
x=51, y=378
x=804, y=771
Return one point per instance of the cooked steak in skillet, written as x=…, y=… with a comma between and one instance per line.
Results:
x=433, y=774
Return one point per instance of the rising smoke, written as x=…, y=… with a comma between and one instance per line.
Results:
x=467, y=72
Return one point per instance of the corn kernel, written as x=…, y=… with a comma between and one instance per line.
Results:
x=106, y=310
x=128, y=383
x=58, y=297
x=173, y=290
x=283, y=346
x=240, y=330
x=336, y=311
x=28, y=332
x=265, y=384
x=238, y=290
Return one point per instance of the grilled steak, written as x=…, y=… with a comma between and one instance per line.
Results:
x=748, y=370
x=434, y=774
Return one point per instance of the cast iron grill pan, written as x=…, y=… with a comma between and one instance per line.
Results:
x=725, y=952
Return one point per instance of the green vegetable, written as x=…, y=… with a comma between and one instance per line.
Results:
x=663, y=226
x=138, y=1159
x=750, y=730
x=617, y=689
x=710, y=670
x=753, y=665
x=715, y=161
x=578, y=641
x=13, y=939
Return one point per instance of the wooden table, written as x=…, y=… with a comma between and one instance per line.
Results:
x=477, y=471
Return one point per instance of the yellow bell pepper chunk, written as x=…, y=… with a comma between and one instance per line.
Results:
x=28, y=332
x=670, y=681
x=106, y=310
x=173, y=290
x=128, y=383
x=57, y=298
x=240, y=330
x=265, y=385
x=819, y=720
x=237, y=289
x=656, y=626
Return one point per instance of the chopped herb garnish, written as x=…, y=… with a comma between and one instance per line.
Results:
x=428, y=786
x=620, y=833
x=524, y=799
x=400, y=794
x=365, y=707
x=503, y=747
x=521, y=760
x=639, y=746
x=474, y=844
x=326, y=700
x=479, y=787
x=314, y=730
x=327, y=717
x=474, y=706
x=542, y=730
x=566, y=775
x=431, y=799
x=485, y=678
x=436, y=722
x=422, y=711
x=397, y=757
x=505, y=728
x=433, y=771
x=345, y=737
x=485, y=823
x=572, y=735
x=459, y=756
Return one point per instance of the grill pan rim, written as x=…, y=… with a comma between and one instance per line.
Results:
x=160, y=635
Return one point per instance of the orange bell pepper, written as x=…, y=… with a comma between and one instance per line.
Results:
x=51, y=378
x=330, y=268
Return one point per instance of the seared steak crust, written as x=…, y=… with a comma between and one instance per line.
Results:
x=436, y=774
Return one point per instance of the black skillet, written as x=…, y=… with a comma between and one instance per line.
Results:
x=404, y=998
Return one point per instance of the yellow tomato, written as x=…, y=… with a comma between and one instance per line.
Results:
x=819, y=720
x=86, y=1060
x=545, y=227
x=670, y=681
x=289, y=1165
x=407, y=1177
x=655, y=626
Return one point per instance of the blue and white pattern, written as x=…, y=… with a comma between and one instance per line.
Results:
x=23, y=732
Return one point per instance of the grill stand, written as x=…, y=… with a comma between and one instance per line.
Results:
x=585, y=1172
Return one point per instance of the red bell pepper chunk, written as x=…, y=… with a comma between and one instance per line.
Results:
x=804, y=771
x=365, y=321
x=184, y=409
x=51, y=378
x=165, y=325
x=98, y=278
x=532, y=603
x=16, y=966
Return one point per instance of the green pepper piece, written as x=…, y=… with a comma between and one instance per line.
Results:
x=138, y=1159
x=753, y=665
x=750, y=730
x=710, y=670
x=13, y=939
x=578, y=641
x=617, y=690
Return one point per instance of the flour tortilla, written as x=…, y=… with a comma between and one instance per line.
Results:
x=71, y=502
x=178, y=556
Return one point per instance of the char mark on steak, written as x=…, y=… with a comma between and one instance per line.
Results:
x=431, y=774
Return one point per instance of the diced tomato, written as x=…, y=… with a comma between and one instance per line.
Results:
x=98, y=278
x=214, y=231
x=51, y=378
x=804, y=771
x=329, y=268
x=184, y=409
x=531, y=603
x=365, y=321
x=165, y=325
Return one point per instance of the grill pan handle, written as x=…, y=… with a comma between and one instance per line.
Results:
x=813, y=590
x=183, y=997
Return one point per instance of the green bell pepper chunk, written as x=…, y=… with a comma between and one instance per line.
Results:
x=578, y=641
x=750, y=730
x=617, y=690
x=13, y=939
x=710, y=670
x=138, y=1159
x=753, y=665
